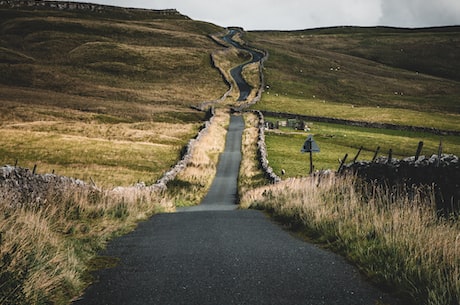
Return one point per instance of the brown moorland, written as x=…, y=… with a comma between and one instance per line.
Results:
x=102, y=94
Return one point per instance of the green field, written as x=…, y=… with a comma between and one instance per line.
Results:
x=337, y=140
x=385, y=75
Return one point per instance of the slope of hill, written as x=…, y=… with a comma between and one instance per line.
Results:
x=388, y=68
x=382, y=75
x=78, y=78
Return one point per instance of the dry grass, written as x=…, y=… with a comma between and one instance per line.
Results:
x=252, y=76
x=192, y=184
x=112, y=155
x=398, y=241
x=45, y=249
x=73, y=224
x=104, y=96
x=250, y=174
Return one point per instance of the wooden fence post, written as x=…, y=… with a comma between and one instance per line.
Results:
x=376, y=153
x=439, y=153
x=357, y=155
x=390, y=155
x=35, y=168
x=342, y=163
x=419, y=150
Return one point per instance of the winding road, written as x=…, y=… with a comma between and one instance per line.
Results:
x=236, y=73
x=215, y=254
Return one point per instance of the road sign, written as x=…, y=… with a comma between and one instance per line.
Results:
x=310, y=145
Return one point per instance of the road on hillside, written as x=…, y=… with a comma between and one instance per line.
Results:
x=236, y=73
x=216, y=255
x=223, y=192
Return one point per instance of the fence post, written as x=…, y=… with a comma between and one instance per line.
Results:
x=419, y=150
x=390, y=155
x=342, y=163
x=439, y=153
x=376, y=153
x=35, y=168
x=16, y=163
x=357, y=155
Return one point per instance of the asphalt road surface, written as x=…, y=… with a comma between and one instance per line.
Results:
x=215, y=255
x=224, y=190
x=236, y=73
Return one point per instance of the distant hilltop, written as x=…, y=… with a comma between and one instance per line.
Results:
x=77, y=6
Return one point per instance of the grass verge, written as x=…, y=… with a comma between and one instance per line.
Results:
x=396, y=240
x=192, y=184
x=250, y=174
x=46, y=249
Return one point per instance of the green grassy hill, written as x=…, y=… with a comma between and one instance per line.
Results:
x=388, y=75
x=101, y=91
x=391, y=68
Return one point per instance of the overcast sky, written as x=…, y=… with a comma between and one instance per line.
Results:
x=304, y=14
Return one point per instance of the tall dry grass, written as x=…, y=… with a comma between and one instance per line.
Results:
x=394, y=237
x=192, y=184
x=252, y=76
x=250, y=174
x=45, y=248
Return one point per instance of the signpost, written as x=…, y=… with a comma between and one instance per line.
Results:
x=310, y=146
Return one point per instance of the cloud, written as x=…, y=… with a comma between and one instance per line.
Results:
x=282, y=15
x=303, y=14
x=420, y=13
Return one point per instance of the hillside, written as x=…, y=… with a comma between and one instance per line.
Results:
x=381, y=75
x=79, y=78
x=386, y=68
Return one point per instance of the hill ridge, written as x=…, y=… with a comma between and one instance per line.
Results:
x=74, y=6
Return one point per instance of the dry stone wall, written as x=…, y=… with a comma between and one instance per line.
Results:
x=23, y=187
x=361, y=123
x=262, y=151
x=161, y=184
x=442, y=173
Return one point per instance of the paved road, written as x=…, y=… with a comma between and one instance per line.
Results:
x=236, y=73
x=220, y=256
x=223, y=192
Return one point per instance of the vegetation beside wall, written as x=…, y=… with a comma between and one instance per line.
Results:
x=48, y=245
x=397, y=240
